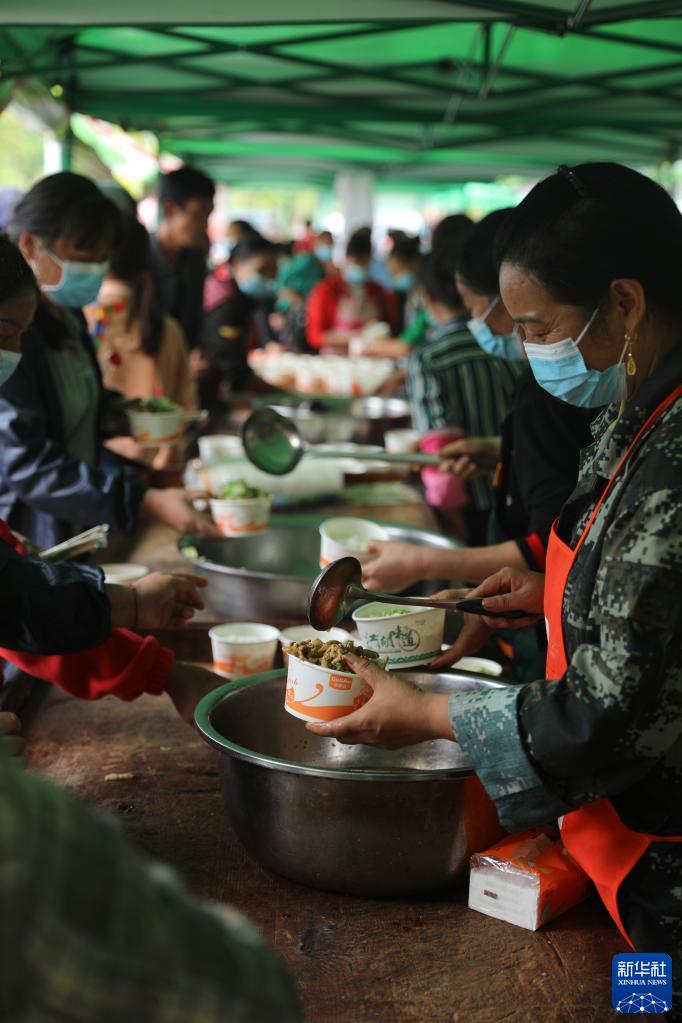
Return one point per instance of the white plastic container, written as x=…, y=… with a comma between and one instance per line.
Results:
x=343, y=537
x=322, y=694
x=241, y=517
x=401, y=440
x=407, y=637
x=300, y=633
x=150, y=429
x=243, y=648
x=217, y=445
x=123, y=573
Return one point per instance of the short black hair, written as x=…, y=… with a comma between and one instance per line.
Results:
x=406, y=249
x=184, y=184
x=477, y=265
x=69, y=206
x=16, y=275
x=451, y=232
x=360, y=244
x=252, y=245
x=586, y=226
x=438, y=280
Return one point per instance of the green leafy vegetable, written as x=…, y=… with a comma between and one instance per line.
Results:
x=156, y=405
x=239, y=490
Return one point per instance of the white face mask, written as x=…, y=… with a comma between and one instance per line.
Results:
x=8, y=363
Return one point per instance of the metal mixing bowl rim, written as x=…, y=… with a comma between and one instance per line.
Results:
x=202, y=720
x=190, y=540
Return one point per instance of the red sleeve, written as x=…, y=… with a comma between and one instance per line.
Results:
x=126, y=666
x=320, y=314
x=534, y=551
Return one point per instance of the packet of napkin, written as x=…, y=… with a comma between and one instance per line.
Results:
x=526, y=879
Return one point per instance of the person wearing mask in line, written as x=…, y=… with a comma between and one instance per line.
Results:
x=178, y=257
x=324, y=252
x=141, y=352
x=596, y=741
x=448, y=236
x=56, y=476
x=341, y=305
x=238, y=231
x=295, y=281
x=66, y=608
x=453, y=383
x=537, y=460
x=231, y=302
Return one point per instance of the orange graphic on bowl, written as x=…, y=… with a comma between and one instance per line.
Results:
x=319, y=694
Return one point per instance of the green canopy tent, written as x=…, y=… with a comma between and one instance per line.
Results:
x=418, y=91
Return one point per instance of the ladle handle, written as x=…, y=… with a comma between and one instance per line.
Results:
x=463, y=605
x=398, y=457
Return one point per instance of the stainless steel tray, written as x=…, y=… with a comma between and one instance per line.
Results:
x=267, y=577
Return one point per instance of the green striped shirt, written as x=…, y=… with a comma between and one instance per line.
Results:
x=451, y=381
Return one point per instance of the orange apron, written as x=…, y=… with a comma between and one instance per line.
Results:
x=594, y=835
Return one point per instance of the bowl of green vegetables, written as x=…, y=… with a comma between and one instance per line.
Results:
x=156, y=421
x=239, y=509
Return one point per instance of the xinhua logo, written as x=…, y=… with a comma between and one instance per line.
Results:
x=642, y=982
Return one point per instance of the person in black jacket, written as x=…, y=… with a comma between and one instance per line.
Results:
x=537, y=459
x=56, y=477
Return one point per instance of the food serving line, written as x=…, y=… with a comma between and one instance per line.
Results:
x=403, y=958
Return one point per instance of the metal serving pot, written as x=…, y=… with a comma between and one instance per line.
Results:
x=267, y=577
x=346, y=818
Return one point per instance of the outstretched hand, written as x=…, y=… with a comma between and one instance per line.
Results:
x=167, y=600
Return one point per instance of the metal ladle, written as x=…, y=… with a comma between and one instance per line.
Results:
x=274, y=445
x=339, y=586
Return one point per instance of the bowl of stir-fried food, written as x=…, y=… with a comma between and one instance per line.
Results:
x=320, y=684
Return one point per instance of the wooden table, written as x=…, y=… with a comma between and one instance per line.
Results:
x=354, y=959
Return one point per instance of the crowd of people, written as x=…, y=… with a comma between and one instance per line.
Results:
x=540, y=351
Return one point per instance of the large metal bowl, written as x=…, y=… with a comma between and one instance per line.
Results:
x=375, y=416
x=345, y=818
x=267, y=577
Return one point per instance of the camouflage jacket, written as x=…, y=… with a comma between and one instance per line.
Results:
x=612, y=725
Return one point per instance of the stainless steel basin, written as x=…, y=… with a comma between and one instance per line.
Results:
x=267, y=577
x=346, y=818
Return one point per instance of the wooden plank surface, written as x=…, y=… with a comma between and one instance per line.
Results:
x=365, y=960
x=354, y=959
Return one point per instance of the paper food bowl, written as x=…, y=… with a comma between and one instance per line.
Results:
x=154, y=428
x=300, y=633
x=215, y=446
x=243, y=648
x=400, y=441
x=345, y=536
x=241, y=517
x=322, y=694
x=123, y=573
x=406, y=636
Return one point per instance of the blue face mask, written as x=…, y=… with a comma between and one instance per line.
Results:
x=257, y=286
x=8, y=363
x=404, y=282
x=323, y=252
x=561, y=370
x=502, y=346
x=356, y=275
x=79, y=285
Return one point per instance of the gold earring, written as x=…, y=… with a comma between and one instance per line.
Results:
x=630, y=364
